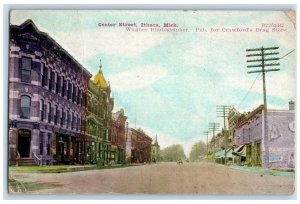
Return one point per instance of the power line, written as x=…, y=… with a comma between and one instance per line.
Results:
x=258, y=76
x=249, y=90
x=265, y=62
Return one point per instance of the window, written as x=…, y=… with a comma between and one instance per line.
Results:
x=44, y=76
x=51, y=80
x=74, y=94
x=50, y=112
x=63, y=116
x=63, y=91
x=73, y=120
x=54, y=79
x=78, y=97
x=68, y=119
x=70, y=87
x=56, y=115
x=25, y=107
x=48, y=144
x=79, y=123
x=58, y=85
x=41, y=139
x=26, y=70
x=42, y=107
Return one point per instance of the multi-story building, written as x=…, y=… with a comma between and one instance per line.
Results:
x=233, y=117
x=47, y=99
x=99, y=106
x=140, y=146
x=118, y=136
x=279, y=142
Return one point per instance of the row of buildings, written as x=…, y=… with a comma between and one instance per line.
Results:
x=59, y=113
x=246, y=144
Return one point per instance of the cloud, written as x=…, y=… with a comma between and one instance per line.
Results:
x=137, y=78
x=282, y=85
x=115, y=41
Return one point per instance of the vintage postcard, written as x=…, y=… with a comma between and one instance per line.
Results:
x=151, y=102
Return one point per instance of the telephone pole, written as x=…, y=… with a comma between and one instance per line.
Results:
x=206, y=134
x=222, y=111
x=213, y=127
x=262, y=62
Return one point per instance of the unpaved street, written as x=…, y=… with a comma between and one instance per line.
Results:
x=163, y=178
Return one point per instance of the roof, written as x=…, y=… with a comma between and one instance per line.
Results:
x=249, y=116
x=32, y=28
x=99, y=79
x=119, y=113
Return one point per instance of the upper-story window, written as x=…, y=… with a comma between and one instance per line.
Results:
x=44, y=76
x=78, y=97
x=70, y=87
x=42, y=109
x=50, y=112
x=75, y=90
x=25, y=107
x=56, y=115
x=26, y=70
x=63, y=90
x=51, y=81
x=58, y=85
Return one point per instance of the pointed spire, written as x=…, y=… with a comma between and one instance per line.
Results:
x=155, y=140
x=100, y=66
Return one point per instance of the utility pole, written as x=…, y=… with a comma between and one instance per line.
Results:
x=222, y=111
x=213, y=127
x=262, y=62
x=206, y=134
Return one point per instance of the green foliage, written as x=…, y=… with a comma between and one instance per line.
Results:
x=173, y=153
x=198, y=151
x=91, y=158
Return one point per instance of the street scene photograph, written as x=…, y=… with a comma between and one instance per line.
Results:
x=151, y=102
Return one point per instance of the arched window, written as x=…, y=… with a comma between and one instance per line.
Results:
x=56, y=115
x=25, y=107
x=50, y=112
x=42, y=107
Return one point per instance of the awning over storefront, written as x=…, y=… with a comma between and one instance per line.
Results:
x=221, y=154
x=240, y=151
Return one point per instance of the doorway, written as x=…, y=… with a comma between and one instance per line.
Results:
x=24, y=138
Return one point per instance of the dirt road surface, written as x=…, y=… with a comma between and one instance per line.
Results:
x=162, y=178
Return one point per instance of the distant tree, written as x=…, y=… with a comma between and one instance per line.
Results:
x=198, y=151
x=173, y=153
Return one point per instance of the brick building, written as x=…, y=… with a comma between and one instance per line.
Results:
x=47, y=99
x=118, y=136
x=281, y=132
x=140, y=146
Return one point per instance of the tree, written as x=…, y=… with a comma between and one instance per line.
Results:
x=198, y=151
x=173, y=153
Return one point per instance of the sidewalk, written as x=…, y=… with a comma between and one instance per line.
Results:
x=261, y=171
x=64, y=168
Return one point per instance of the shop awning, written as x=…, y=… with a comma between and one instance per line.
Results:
x=240, y=151
x=221, y=154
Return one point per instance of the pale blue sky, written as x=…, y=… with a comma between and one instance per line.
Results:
x=170, y=83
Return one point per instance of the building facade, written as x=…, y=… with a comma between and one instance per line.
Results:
x=99, y=106
x=47, y=99
x=118, y=136
x=140, y=146
x=249, y=133
x=233, y=117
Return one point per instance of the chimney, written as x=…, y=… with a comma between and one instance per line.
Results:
x=291, y=105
